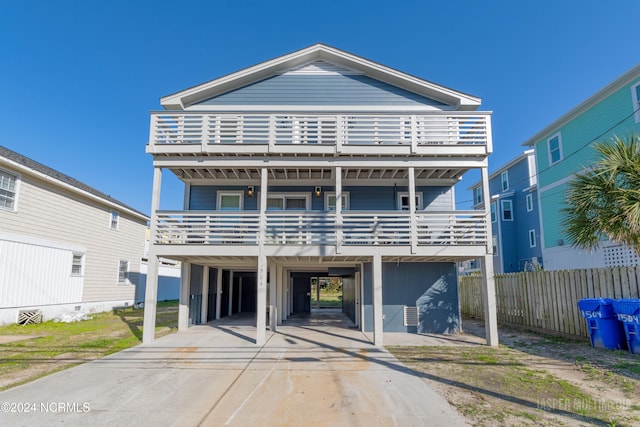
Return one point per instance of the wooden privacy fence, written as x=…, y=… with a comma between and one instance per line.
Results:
x=548, y=300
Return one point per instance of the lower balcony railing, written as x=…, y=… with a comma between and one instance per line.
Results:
x=321, y=228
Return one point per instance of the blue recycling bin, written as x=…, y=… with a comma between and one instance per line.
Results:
x=605, y=331
x=628, y=312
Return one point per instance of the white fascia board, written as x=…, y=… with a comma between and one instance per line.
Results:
x=299, y=162
x=185, y=98
x=28, y=171
x=584, y=106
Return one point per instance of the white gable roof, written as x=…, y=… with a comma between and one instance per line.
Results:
x=320, y=59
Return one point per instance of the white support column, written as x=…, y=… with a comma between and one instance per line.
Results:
x=205, y=294
x=377, y=301
x=183, y=308
x=240, y=295
x=151, y=291
x=273, y=298
x=261, y=314
x=218, y=292
x=488, y=280
x=413, y=224
x=230, y=302
x=339, y=221
x=280, y=295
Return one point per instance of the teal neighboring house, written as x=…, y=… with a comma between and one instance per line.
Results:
x=565, y=148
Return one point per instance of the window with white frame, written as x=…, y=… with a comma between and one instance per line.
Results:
x=507, y=210
x=288, y=202
x=403, y=201
x=532, y=238
x=635, y=94
x=230, y=200
x=8, y=190
x=554, y=146
x=504, y=178
x=529, y=199
x=330, y=201
x=77, y=263
x=477, y=195
x=123, y=272
x=493, y=212
x=114, y=220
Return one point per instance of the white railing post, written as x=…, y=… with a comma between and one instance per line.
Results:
x=263, y=209
x=205, y=133
x=413, y=226
x=340, y=132
x=339, y=220
x=414, y=134
x=272, y=132
x=153, y=129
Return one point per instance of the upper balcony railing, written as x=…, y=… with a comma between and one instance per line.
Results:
x=209, y=131
x=462, y=228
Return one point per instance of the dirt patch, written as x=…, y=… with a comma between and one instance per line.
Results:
x=5, y=339
x=531, y=379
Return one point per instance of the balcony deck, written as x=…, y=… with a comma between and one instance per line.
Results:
x=292, y=233
x=436, y=133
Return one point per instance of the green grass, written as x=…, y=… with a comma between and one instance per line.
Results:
x=55, y=345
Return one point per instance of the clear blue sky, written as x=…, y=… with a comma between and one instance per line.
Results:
x=78, y=78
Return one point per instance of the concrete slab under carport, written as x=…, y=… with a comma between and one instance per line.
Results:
x=308, y=373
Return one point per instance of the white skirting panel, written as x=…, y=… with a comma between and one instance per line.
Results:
x=37, y=274
x=51, y=312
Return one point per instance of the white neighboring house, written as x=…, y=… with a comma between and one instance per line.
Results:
x=64, y=246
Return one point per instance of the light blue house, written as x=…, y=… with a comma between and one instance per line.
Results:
x=565, y=148
x=515, y=222
x=320, y=163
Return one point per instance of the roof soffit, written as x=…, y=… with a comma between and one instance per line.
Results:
x=318, y=52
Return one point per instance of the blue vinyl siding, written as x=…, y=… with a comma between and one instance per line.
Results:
x=204, y=197
x=431, y=286
x=320, y=90
x=513, y=245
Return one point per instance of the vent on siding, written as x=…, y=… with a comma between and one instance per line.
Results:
x=410, y=316
x=26, y=317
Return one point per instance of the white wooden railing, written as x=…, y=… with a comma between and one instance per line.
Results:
x=320, y=228
x=210, y=128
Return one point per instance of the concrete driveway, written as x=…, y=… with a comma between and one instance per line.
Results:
x=308, y=373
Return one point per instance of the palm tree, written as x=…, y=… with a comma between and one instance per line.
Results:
x=605, y=200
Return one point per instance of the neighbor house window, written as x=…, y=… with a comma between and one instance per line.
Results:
x=115, y=220
x=330, y=201
x=507, y=210
x=494, y=244
x=532, y=238
x=635, y=93
x=477, y=196
x=493, y=212
x=230, y=200
x=403, y=201
x=504, y=177
x=555, y=149
x=8, y=190
x=529, y=202
x=76, y=264
x=123, y=271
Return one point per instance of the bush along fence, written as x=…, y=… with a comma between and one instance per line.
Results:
x=548, y=300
